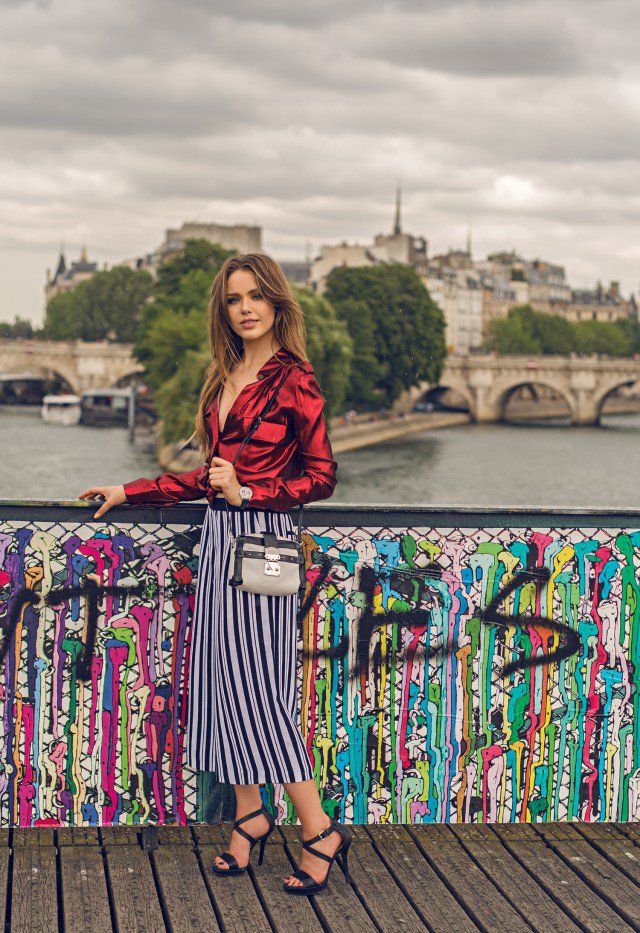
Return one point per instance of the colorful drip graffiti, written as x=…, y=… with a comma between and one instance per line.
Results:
x=446, y=674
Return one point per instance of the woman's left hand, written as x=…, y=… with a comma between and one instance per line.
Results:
x=222, y=476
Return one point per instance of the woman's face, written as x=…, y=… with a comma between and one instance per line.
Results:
x=250, y=314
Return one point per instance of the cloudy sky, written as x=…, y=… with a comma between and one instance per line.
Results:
x=120, y=119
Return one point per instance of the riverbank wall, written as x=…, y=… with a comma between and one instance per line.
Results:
x=367, y=433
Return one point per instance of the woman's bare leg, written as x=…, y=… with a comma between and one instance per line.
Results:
x=247, y=800
x=306, y=801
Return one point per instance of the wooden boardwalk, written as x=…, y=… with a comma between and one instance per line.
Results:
x=552, y=877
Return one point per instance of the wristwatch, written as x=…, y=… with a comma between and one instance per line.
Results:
x=245, y=495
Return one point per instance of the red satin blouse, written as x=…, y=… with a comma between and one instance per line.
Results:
x=288, y=460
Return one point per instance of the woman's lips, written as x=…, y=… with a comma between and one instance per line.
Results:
x=248, y=323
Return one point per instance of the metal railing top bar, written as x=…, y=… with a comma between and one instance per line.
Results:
x=339, y=514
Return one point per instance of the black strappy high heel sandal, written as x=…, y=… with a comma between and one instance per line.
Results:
x=310, y=885
x=234, y=868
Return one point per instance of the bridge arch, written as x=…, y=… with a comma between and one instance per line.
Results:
x=505, y=389
x=456, y=385
x=42, y=371
x=119, y=380
x=603, y=392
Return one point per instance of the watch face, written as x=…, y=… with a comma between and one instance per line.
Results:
x=245, y=492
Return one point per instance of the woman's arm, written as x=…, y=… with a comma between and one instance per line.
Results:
x=168, y=488
x=318, y=479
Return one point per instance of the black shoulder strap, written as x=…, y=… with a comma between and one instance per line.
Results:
x=256, y=424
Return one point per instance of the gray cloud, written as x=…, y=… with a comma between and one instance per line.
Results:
x=120, y=120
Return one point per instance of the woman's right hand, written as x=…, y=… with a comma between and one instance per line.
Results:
x=113, y=495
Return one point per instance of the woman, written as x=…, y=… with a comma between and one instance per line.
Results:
x=241, y=710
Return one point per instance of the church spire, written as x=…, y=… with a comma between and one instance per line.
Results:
x=396, y=225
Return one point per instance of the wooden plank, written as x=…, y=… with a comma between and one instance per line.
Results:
x=415, y=877
x=514, y=883
x=184, y=894
x=78, y=836
x=554, y=875
x=33, y=836
x=174, y=836
x=616, y=847
x=34, y=896
x=286, y=913
x=4, y=878
x=85, y=900
x=631, y=830
x=133, y=892
x=119, y=836
x=377, y=887
x=210, y=835
x=338, y=906
x=476, y=893
x=235, y=898
x=611, y=885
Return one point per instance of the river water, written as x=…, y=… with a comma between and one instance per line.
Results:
x=538, y=465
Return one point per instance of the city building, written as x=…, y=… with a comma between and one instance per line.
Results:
x=599, y=304
x=399, y=247
x=537, y=282
x=351, y=255
x=296, y=271
x=403, y=247
x=458, y=290
x=238, y=237
x=67, y=277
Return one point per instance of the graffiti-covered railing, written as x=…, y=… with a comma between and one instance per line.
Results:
x=454, y=665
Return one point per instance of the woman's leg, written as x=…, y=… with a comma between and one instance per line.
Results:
x=247, y=800
x=306, y=801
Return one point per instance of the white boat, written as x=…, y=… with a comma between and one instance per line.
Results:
x=61, y=409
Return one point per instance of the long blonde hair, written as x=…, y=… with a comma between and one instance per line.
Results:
x=226, y=346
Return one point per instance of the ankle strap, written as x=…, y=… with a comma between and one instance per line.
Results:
x=251, y=816
x=331, y=828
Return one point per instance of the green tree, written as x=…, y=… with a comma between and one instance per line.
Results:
x=175, y=321
x=406, y=327
x=21, y=327
x=527, y=331
x=177, y=397
x=557, y=335
x=109, y=305
x=329, y=346
x=195, y=256
x=630, y=330
x=602, y=337
x=366, y=368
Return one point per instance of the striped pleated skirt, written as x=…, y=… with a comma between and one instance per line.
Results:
x=242, y=697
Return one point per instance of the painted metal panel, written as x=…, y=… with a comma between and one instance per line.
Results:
x=454, y=665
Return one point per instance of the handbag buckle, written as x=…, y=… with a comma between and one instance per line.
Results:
x=271, y=564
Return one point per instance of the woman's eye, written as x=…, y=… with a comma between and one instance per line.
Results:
x=258, y=296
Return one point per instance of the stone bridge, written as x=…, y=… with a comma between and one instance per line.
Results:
x=83, y=365
x=487, y=382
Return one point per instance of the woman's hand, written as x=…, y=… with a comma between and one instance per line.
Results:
x=222, y=476
x=113, y=495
